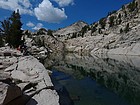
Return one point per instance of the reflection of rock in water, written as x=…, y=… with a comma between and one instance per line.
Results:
x=53, y=59
x=64, y=98
x=120, y=74
x=121, y=77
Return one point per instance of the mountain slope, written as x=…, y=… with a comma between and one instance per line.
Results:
x=118, y=33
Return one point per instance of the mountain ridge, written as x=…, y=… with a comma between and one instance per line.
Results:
x=118, y=33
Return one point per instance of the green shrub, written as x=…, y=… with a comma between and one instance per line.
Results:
x=74, y=35
x=132, y=6
x=84, y=30
x=125, y=13
x=41, y=31
x=93, y=29
x=111, y=21
x=102, y=22
x=50, y=32
x=123, y=7
x=119, y=16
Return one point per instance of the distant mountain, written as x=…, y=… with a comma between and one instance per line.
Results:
x=67, y=31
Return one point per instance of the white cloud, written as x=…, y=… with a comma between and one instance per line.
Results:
x=38, y=26
x=47, y=12
x=33, y=26
x=30, y=24
x=23, y=5
x=63, y=3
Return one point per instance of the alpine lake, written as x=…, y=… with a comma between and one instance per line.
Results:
x=95, y=80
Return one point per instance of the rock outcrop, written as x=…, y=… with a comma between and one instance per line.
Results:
x=52, y=43
x=127, y=43
x=24, y=80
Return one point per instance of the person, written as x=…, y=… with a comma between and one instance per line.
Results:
x=18, y=48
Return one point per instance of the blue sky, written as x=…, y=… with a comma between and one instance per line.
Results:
x=54, y=14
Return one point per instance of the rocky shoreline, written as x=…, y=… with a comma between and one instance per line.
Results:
x=24, y=80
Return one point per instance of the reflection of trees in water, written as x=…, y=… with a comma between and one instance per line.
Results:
x=123, y=79
x=122, y=85
x=119, y=76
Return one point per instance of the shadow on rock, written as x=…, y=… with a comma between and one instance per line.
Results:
x=22, y=100
x=11, y=94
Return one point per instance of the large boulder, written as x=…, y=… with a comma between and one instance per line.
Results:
x=34, y=81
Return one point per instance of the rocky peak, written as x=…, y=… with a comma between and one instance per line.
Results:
x=75, y=27
x=79, y=23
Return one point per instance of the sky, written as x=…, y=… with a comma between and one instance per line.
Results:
x=54, y=14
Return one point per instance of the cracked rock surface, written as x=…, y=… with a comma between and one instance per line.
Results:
x=25, y=81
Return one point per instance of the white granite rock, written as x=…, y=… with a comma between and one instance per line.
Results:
x=25, y=72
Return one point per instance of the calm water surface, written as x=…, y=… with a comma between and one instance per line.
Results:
x=104, y=80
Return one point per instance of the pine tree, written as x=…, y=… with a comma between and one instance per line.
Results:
x=50, y=32
x=84, y=30
x=132, y=6
x=93, y=29
x=4, y=30
x=1, y=41
x=123, y=7
x=119, y=16
x=15, y=29
x=111, y=21
x=11, y=28
x=102, y=22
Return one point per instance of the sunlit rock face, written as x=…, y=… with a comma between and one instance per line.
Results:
x=114, y=39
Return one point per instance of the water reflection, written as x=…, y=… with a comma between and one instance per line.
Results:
x=120, y=74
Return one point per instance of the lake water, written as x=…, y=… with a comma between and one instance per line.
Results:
x=94, y=80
